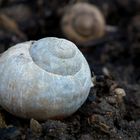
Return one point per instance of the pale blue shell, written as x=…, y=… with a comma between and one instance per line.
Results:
x=48, y=78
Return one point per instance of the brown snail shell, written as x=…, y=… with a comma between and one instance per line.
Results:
x=83, y=22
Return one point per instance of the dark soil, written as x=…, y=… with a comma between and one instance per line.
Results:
x=114, y=59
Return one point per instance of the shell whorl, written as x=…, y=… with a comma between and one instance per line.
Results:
x=59, y=57
x=42, y=79
x=87, y=24
x=83, y=22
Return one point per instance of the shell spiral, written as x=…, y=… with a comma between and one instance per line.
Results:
x=48, y=78
x=83, y=22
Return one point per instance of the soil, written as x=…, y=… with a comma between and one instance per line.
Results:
x=112, y=109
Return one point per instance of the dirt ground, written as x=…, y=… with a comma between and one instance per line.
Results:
x=112, y=109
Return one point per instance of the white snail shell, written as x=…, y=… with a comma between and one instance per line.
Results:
x=48, y=78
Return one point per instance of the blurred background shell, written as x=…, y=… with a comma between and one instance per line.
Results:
x=82, y=22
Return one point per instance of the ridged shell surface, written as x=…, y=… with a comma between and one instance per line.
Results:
x=48, y=78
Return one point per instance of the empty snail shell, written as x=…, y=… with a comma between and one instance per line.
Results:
x=83, y=22
x=48, y=78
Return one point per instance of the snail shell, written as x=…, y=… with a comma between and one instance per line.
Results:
x=83, y=22
x=48, y=78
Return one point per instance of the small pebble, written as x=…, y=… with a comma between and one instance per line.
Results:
x=86, y=137
x=35, y=126
x=120, y=92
